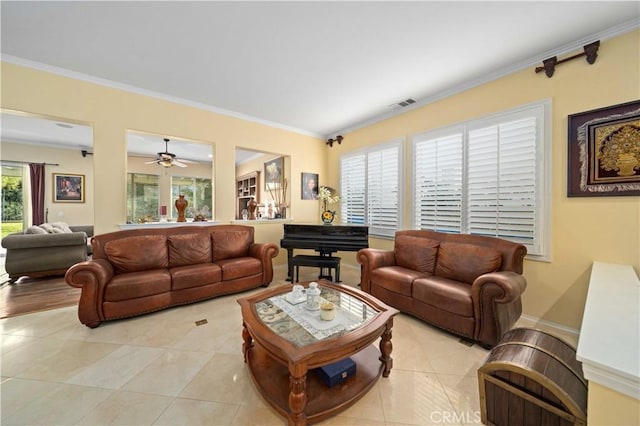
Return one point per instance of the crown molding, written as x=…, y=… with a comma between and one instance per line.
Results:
x=519, y=66
x=144, y=92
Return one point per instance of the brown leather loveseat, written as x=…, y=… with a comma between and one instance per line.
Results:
x=138, y=271
x=467, y=284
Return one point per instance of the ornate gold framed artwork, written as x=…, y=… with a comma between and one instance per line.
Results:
x=604, y=151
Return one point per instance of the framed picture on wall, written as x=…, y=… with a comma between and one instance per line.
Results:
x=309, y=186
x=273, y=173
x=68, y=188
x=604, y=151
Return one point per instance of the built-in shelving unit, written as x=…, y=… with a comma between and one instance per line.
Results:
x=247, y=187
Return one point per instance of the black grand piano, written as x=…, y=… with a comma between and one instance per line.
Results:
x=325, y=239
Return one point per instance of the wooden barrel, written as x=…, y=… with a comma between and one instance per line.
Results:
x=532, y=378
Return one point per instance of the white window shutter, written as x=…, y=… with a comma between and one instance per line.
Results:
x=502, y=181
x=382, y=190
x=353, y=189
x=438, y=184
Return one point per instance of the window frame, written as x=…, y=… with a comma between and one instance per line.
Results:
x=541, y=110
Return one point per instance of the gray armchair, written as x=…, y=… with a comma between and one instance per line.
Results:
x=40, y=255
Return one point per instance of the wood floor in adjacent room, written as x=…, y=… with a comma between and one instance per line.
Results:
x=33, y=295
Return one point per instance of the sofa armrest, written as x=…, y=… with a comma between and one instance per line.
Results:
x=265, y=252
x=91, y=276
x=371, y=259
x=25, y=241
x=496, y=304
x=87, y=229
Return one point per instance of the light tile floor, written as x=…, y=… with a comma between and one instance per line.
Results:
x=162, y=369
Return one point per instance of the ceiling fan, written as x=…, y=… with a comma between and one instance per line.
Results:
x=168, y=159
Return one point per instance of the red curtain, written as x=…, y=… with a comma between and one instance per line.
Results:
x=36, y=172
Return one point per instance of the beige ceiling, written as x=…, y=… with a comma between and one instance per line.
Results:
x=318, y=68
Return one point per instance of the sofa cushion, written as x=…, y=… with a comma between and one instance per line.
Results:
x=189, y=276
x=445, y=294
x=239, y=267
x=137, y=284
x=140, y=253
x=230, y=244
x=416, y=253
x=189, y=249
x=395, y=279
x=466, y=262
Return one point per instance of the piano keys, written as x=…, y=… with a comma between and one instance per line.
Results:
x=325, y=239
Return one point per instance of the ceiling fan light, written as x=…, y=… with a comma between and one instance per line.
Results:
x=165, y=163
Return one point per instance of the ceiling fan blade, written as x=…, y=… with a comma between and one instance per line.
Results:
x=184, y=160
x=151, y=162
x=178, y=163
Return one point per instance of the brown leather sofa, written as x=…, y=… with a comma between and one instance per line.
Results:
x=137, y=271
x=467, y=284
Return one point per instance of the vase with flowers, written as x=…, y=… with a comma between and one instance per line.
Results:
x=328, y=196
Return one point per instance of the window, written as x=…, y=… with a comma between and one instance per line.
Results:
x=142, y=197
x=371, y=188
x=486, y=177
x=197, y=191
x=13, y=196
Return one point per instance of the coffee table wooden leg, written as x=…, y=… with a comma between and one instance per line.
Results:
x=385, y=349
x=297, y=395
x=247, y=341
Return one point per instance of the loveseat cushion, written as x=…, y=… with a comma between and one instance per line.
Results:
x=230, y=244
x=189, y=249
x=395, y=279
x=416, y=253
x=139, y=253
x=189, y=276
x=137, y=284
x=445, y=294
x=466, y=262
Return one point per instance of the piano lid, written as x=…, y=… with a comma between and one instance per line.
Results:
x=325, y=238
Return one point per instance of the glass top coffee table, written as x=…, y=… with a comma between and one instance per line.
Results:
x=284, y=340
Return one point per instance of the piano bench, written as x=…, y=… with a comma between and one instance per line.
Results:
x=317, y=262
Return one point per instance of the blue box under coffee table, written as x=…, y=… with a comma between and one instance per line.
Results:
x=338, y=372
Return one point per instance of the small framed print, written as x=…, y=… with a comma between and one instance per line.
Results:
x=68, y=188
x=309, y=186
x=274, y=173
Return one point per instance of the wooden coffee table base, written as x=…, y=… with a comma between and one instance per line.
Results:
x=273, y=381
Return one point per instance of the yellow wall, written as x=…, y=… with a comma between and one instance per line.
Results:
x=607, y=407
x=583, y=229
x=69, y=161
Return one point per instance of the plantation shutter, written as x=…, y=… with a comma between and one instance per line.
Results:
x=382, y=190
x=352, y=189
x=502, y=181
x=438, y=184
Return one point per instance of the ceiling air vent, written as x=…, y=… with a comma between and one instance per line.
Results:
x=407, y=102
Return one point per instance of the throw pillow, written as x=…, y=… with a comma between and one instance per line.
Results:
x=189, y=249
x=62, y=227
x=35, y=230
x=416, y=253
x=47, y=227
x=466, y=262
x=132, y=254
